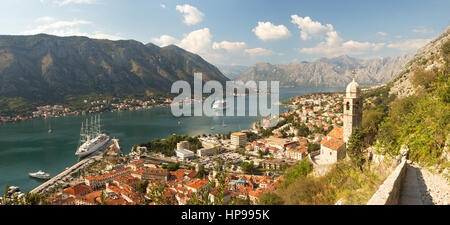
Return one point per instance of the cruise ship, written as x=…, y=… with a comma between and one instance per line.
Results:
x=91, y=138
x=220, y=105
x=40, y=175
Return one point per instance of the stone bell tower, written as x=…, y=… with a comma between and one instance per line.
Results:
x=353, y=106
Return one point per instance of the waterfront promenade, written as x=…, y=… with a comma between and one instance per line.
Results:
x=66, y=173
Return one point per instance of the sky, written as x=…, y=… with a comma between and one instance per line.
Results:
x=241, y=32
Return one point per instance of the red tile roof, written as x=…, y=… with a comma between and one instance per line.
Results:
x=332, y=143
x=198, y=183
x=78, y=189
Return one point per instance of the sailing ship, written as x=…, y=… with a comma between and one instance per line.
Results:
x=91, y=137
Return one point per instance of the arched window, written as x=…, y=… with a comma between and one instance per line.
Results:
x=348, y=106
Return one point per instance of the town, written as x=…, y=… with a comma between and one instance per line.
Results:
x=224, y=169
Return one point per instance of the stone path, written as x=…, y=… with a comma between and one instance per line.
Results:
x=435, y=189
x=421, y=187
x=410, y=194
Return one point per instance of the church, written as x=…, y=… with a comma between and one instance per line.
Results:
x=332, y=147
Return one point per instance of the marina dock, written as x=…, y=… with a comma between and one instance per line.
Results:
x=54, y=180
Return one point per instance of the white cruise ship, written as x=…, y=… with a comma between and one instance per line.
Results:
x=91, y=138
x=40, y=175
x=220, y=105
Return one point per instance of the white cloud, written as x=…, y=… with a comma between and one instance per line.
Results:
x=409, y=45
x=165, y=40
x=348, y=47
x=191, y=14
x=44, y=19
x=258, y=52
x=229, y=46
x=422, y=30
x=268, y=31
x=382, y=33
x=201, y=42
x=67, y=28
x=49, y=27
x=163, y=5
x=333, y=44
x=67, y=2
x=309, y=27
x=198, y=41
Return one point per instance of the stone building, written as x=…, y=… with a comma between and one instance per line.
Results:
x=155, y=174
x=332, y=147
x=353, y=106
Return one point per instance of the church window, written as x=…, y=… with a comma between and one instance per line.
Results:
x=348, y=105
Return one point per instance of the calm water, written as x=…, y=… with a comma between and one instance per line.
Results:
x=27, y=146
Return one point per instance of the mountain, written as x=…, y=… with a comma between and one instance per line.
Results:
x=431, y=57
x=44, y=66
x=328, y=72
x=232, y=71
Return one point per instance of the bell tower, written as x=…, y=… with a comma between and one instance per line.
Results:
x=353, y=107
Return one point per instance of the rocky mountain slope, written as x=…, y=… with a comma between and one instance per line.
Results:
x=428, y=58
x=43, y=66
x=232, y=71
x=328, y=72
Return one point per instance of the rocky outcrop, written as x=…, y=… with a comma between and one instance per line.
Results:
x=428, y=58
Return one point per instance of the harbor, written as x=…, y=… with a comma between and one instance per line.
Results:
x=65, y=176
x=27, y=146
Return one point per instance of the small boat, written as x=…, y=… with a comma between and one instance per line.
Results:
x=212, y=128
x=40, y=174
x=220, y=105
x=50, y=128
x=13, y=189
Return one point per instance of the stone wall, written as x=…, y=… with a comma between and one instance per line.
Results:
x=388, y=193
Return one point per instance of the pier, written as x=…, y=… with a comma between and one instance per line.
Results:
x=75, y=168
x=80, y=165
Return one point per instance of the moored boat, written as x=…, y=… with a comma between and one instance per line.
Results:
x=40, y=175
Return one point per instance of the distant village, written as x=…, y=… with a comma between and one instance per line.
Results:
x=49, y=111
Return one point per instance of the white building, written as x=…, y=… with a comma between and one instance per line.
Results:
x=238, y=139
x=184, y=154
x=206, y=151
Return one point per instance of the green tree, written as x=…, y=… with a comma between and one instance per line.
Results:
x=156, y=195
x=103, y=198
x=301, y=169
x=201, y=173
x=312, y=147
x=35, y=199
x=142, y=186
x=249, y=167
x=5, y=195
x=355, y=148
x=270, y=198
